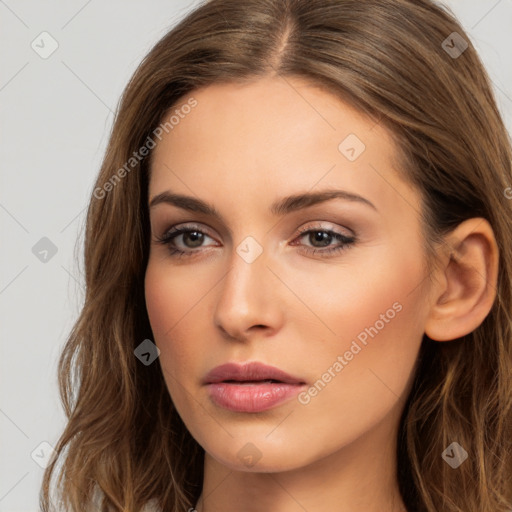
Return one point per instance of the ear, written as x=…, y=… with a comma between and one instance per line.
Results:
x=466, y=281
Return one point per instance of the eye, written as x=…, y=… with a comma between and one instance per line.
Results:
x=324, y=238
x=192, y=237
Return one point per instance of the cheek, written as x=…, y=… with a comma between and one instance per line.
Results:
x=161, y=303
x=360, y=373
x=382, y=313
x=172, y=294
x=169, y=301
x=178, y=310
x=373, y=298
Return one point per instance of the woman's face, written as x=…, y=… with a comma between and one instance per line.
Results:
x=332, y=292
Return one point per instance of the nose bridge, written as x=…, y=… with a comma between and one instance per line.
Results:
x=247, y=296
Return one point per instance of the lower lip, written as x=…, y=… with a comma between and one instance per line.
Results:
x=251, y=397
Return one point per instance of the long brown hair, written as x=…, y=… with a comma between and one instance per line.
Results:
x=400, y=62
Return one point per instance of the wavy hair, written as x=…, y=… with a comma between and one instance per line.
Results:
x=124, y=446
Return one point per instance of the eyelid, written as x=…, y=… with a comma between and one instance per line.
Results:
x=303, y=229
x=178, y=229
x=187, y=226
x=334, y=228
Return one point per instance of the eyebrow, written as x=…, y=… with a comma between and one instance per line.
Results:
x=278, y=208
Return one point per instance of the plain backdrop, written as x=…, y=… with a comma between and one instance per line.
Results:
x=56, y=114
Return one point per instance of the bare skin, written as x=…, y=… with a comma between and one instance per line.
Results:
x=241, y=149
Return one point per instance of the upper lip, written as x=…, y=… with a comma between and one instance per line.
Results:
x=253, y=371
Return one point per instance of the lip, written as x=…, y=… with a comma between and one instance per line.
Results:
x=250, y=387
x=253, y=371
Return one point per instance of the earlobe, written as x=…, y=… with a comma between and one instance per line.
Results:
x=466, y=283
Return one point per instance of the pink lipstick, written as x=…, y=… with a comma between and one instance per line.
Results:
x=251, y=387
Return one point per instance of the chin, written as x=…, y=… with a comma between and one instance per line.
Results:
x=255, y=454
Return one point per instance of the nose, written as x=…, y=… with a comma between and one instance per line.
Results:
x=249, y=300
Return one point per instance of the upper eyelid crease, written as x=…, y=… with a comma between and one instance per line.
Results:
x=279, y=208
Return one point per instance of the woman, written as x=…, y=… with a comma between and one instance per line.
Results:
x=298, y=277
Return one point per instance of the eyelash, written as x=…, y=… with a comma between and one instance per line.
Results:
x=173, y=233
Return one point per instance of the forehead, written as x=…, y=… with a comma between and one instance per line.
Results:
x=272, y=137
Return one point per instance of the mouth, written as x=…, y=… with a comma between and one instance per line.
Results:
x=263, y=381
x=253, y=372
x=250, y=388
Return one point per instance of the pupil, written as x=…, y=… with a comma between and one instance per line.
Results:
x=196, y=238
x=321, y=236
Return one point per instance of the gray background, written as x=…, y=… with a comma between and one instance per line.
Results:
x=56, y=114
